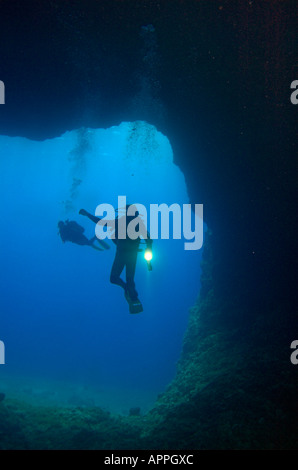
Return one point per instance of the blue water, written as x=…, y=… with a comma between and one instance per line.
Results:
x=68, y=334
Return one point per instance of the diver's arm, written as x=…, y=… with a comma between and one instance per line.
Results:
x=145, y=234
x=90, y=216
x=149, y=240
x=109, y=223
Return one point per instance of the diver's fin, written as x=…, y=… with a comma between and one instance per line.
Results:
x=135, y=306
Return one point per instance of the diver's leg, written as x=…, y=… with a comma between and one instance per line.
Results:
x=91, y=243
x=80, y=239
x=131, y=261
x=95, y=247
x=117, y=268
x=103, y=245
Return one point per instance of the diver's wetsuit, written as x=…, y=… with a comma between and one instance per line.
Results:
x=126, y=257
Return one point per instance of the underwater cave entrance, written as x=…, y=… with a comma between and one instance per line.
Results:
x=69, y=336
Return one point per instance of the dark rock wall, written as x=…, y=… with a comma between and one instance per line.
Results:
x=215, y=78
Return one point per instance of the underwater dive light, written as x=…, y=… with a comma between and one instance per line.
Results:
x=148, y=255
x=148, y=258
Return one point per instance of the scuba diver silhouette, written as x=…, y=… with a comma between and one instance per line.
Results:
x=71, y=231
x=126, y=257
